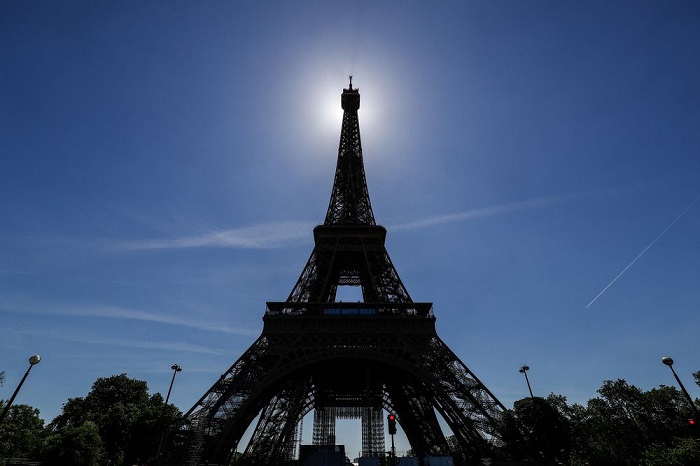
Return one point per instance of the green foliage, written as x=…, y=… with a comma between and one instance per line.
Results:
x=75, y=446
x=624, y=421
x=681, y=452
x=622, y=426
x=118, y=421
x=610, y=426
x=129, y=420
x=537, y=429
x=21, y=432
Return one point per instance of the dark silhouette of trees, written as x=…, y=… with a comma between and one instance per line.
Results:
x=21, y=432
x=624, y=425
x=120, y=422
x=538, y=430
x=128, y=420
x=75, y=446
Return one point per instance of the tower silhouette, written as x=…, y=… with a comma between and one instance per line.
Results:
x=343, y=359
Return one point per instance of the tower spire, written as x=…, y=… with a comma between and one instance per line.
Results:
x=344, y=360
x=350, y=204
x=349, y=246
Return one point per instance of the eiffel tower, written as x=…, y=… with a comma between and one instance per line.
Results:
x=344, y=360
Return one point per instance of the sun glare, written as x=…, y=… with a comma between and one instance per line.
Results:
x=319, y=114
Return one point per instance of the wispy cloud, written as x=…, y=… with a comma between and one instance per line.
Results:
x=278, y=235
x=481, y=213
x=121, y=342
x=269, y=235
x=110, y=312
x=131, y=314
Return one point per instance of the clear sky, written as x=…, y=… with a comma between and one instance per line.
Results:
x=162, y=165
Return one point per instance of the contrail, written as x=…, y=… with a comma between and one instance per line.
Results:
x=644, y=250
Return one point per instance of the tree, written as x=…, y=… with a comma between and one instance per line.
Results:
x=624, y=425
x=128, y=419
x=75, y=446
x=21, y=432
x=628, y=426
x=681, y=452
x=544, y=432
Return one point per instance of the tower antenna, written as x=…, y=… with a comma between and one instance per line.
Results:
x=344, y=360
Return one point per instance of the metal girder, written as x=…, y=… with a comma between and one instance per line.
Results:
x=307, y=366
x=353, y=255
x=273, y=440
x=350, y=204
x=343, y=359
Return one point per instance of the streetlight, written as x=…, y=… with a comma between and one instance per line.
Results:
x=32, y=361
x=175, y=369
x=669, y=362
x=523, y=370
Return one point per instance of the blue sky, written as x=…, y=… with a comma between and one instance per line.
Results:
x=163, y=164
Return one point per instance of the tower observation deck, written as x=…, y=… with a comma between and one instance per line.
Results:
x=342, y=360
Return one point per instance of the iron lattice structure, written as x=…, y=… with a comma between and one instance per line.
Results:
x=343, y=360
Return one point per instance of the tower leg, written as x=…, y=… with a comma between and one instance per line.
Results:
x=324, y=426
x=372, y=432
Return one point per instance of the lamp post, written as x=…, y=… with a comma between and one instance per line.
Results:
x=32, y=361
x=669, y=362
x=523, y=370
x=175, y=369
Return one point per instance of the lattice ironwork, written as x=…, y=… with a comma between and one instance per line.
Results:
x=350, y=203
x=343, y=360
x=349, y=255
x=373, y=432
x=324, y=426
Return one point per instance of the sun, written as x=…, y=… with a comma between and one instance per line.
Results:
x=326, y=114
x=319, y=114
